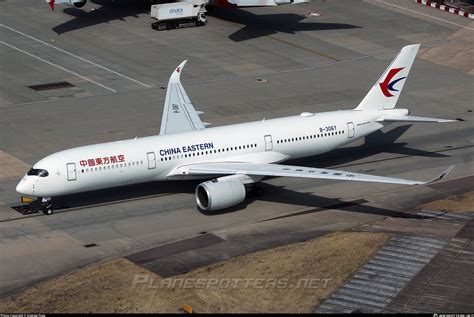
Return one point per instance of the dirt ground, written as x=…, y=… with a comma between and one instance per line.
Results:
x=292, y=278
x=457, y=203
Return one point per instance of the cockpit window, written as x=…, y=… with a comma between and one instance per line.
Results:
x=38, y=172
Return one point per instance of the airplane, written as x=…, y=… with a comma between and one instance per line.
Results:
x=235, y=157
x=212, y=3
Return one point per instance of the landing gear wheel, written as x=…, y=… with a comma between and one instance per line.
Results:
x=47, y=205
x=48, y=211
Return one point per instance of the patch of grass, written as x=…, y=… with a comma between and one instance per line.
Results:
x=455, y=203
x=321, y=265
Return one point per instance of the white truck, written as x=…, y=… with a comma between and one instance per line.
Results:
x=178, y=15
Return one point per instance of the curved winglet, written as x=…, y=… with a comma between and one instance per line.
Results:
x=175, y=77
x=442, y=175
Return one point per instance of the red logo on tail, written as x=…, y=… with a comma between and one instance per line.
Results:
x=387, y=85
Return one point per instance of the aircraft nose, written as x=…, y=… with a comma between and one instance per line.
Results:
x=22, y=188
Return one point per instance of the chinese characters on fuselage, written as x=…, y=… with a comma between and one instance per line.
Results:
x=103, y=160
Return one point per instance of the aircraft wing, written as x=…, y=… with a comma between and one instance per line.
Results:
x=291, y=171
x=179, y=114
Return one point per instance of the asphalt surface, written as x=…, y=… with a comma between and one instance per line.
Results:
x=118, y=65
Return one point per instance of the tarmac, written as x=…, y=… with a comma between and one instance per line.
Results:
x=243, y=65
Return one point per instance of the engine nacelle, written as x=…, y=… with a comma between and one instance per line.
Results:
x=79, y=4
x=215, y=194
x=75, y=3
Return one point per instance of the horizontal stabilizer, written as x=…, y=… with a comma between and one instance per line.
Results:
x=412, y=119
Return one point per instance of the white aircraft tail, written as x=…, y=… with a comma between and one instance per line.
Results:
x=384, y=94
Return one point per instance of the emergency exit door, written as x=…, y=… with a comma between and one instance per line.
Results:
x=268, y=143
x=71, y=171
x=151, y=160
x=350, y=130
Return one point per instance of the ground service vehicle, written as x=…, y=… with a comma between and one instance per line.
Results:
x=178, y=15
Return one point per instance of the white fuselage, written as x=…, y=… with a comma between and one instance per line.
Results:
x=153, y=158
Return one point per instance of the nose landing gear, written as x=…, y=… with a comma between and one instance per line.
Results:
x=47, y=205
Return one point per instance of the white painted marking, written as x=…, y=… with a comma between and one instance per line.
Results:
x=426, y=15
x=58, y=66
x=76, y=56
x=310, y=68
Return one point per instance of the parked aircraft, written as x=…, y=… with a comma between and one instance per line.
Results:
x=235, y=156
x=217, y=3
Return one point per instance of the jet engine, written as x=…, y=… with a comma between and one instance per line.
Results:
x=219, y=194
x=75, y=3
x=79, y=4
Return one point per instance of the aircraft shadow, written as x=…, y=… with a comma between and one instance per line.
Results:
x=273, y=193
x=279, y=194
x=256, y=25
x=376, y=143
x=128, y=193
x=107, y=12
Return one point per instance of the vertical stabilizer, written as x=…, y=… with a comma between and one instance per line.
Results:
x=384, y=94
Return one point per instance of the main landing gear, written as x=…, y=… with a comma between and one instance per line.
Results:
x=47, y=205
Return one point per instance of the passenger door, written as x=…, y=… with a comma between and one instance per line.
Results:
x=71, y=171
x=268, y=143
x=151, y=160
x=350, y=130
